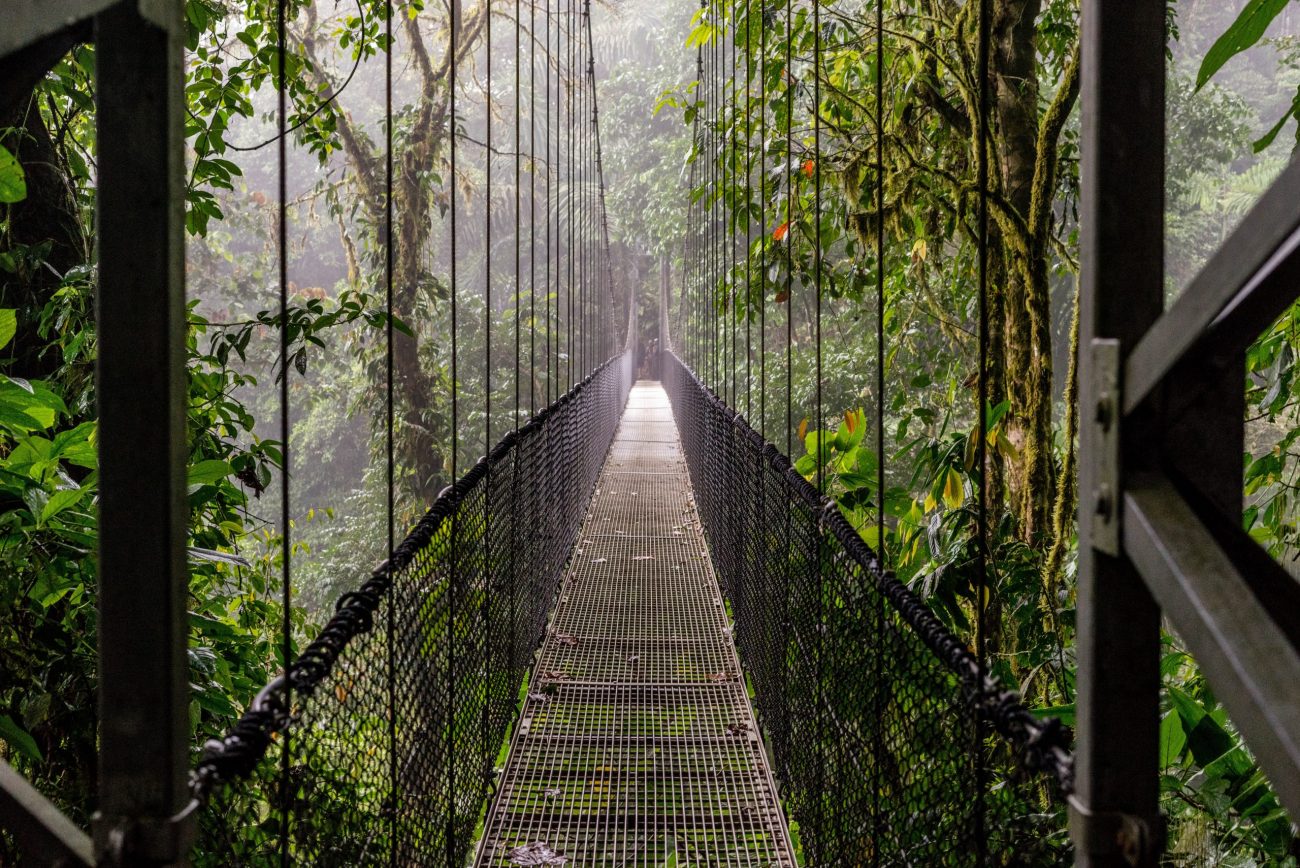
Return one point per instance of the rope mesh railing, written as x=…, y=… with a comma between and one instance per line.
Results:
x=380, y=777
x=871, y=708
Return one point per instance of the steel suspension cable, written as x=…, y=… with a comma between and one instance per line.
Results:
x=286, y=463
x=452, y=572
x=819, y=636
x=715, y=282
x=729, y=226
x=570, y=176
x=532, y=207
x=550, y=168
x=817, y=235
x=519, y=159
x=749, y=196
x=485, y=602
x=880, y=279
x=788, y=239
x=390, y=463
x=762, y=221
x=880, y=613
x=981, y=454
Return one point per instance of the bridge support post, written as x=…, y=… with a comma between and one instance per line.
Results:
x=1115, y=817
x=143, y=586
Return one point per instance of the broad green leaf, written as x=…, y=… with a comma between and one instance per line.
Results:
x=1172, y=739
x=8, y=328
x=58, y=502
x=19, y=739
x=1064, y=713
x=206, y=472
x=13, y=183
x=1244, y=32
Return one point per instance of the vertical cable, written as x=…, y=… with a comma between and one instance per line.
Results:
x=286, y=581
x=876, y=820
x=749, y=196
x=452, y=572
x=762, y=222
x=570, y=183
x=532, y=207
x=880, y=279
x=487, y=240
x=821, y=426
x=389, y=419
x=485, y=605
x=549, y=169
x=788, y=240
x=715, y=236
x=519, y=121
x=817, y=234
x=981, y=448
x=729, y=224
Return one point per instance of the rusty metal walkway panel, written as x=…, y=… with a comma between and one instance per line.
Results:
x=637, y=746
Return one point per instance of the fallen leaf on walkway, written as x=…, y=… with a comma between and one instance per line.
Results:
x=643, y=557
x=633, y=658
x=540, y=697
x=601, y=561
x=718, y=677
x=556, y=675
x=552, y=792
x=737, y=728
x=536, y=853
x=566, y=639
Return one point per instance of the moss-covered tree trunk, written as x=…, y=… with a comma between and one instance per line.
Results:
x=422, y=419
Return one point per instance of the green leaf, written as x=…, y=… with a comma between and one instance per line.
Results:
x=58, y=502
x=1172, y=739
x=1067, y=714
x=8, y=327
x=1244, y=32
x=19, y=739
x=953, y=493
x=206, y=472
x=13, y=183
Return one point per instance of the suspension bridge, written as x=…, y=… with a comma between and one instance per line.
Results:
x=632, y=633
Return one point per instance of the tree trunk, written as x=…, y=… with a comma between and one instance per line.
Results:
x=1026, y=333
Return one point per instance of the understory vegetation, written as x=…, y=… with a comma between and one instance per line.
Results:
x=754, y=173
x=1233, y=98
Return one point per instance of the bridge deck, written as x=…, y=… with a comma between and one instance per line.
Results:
x=637, y=744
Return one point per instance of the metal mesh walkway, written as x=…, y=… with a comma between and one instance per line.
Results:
x=637, y=746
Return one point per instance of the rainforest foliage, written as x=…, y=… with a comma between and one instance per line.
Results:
x=1233, y=96
x=906, y=166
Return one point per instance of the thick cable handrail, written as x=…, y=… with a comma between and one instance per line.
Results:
x=719, y=442
x=235, y=756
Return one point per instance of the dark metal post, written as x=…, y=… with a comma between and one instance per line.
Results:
x=143, y=686
x=1115, y=808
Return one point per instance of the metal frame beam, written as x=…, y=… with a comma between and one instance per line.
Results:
x=141, y=322
x=1115, y=809
x=1247, y=284
x=41, y=829
x=1160, y=474
x=28, y=22
x=1253, y=665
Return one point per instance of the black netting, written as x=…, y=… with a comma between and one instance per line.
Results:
x=891, y=745
x=399, y=709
